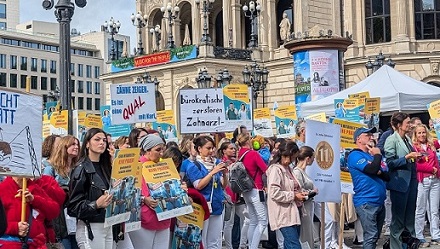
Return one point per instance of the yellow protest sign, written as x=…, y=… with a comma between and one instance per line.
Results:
x=347, y=132
x=360, y=95
x=372, y=105
x=93, y=121
x=317, y=117
x=188, y=229
x=262, y=122
x=59, y=123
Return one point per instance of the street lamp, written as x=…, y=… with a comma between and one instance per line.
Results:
x=64, y=10
x=206, y=8
x=112, y=27
x=203, y=79
x=256, y=78
x=155, y=32
x=172, y=14
x=223, y=78
x=252, y=12
x=140, y=22
x=373, y=66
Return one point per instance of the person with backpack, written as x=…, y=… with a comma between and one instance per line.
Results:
x=255, y=198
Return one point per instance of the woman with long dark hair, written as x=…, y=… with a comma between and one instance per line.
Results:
x=89, y=182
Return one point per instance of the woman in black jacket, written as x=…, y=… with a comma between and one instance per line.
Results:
x=89, y=182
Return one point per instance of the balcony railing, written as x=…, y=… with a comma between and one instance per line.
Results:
x=232, y=53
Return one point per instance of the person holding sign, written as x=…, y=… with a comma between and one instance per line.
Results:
x=369, y=175
x=89, y=182
x=208, y=175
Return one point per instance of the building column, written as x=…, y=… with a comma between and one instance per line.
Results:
x=272, y=35
x=300, y=15
x=226, y=22
x=264, y=27
x=400, y=27
x=176, y=32
x=196, y=24
x=236, y=25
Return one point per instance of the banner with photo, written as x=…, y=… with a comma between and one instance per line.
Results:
x=347, y=132
x=372, y=112
x=114, y=130
x=188, y=229
x=51, y=107
x=163, y=182
x=237, y=105
x=324, y=73
x=133, y=103
x=285, y=121
x=262, y=122
x=349, y=109
x=325, y=170
x=20, y=133
x=125, y=188
x=434, y=113
x=166, y=125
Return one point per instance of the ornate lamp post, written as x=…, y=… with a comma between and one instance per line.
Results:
x=373, y=66
x=206, y=8
x=204, y=79
x=257, y=79
x=155, y=32
x=252, y=12
x=223, y=78
x=172, y=14
x=112, y=27
x=140, y=22
x=63, y=12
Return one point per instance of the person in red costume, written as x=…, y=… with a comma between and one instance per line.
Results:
x=43, y=207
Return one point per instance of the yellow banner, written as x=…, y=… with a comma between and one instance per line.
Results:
x=93, y=121
x=361, y=95
x=284, y=112
x=46, y=128
x=125, y=164
x=434, y=109
x=372, y=105
x=238, y=92
x=196, y=218
x=82, y=118
x=347, y=132
x=346, y=177
x=317, y=117
x=262, y=113
x=159, y=172
x=353, y=103
x=59, y=119
x=165, y=116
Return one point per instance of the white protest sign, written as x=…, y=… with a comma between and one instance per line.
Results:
x=325, y=171
x=20, y=133
x=133, y=103
x=201, y=111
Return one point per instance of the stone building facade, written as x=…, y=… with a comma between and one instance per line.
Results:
x=405, y=30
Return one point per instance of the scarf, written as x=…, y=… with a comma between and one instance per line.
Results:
x=209, y=162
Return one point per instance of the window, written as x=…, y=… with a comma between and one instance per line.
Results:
x=80, y=86
x=23, y=81
x=97, y=87
x=89, y=87
x=72, y=68
x=80, y=103
x=427, y=19
x=2, y=61
x=118, y=46
x=377, y=21
x=30, y=44
x=3, y=79
x=3, y=25
x=97, y=72
x=80, y=70
x=89, y=103
x=13, y=62
x=43, y=65
x=34, y=62
x=10, y=42
x=3, y=10
x=97, y=104
x=23, y=64
x=89, y=71
x=73, y=103
x=34, y=82
x=43, y=83
x=53, y=66
x=72, y=86
x=53, y=84
x=13, y=80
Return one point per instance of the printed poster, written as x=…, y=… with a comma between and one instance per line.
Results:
x=262, y=122
x=51, y=107
x=237, y=105
x=324, y=73
x=302, y=79
x=349, y=109
x=360, y=95
x=59, y=123
x=166, y=125
x=125, y=188
x=114, y=130
x=164, y=183
x=285, y=121
x=133, y=103
x=347, y=131
x=317, y=117
x=188, y=229
x=372, y=112
x=325, y=171
x=434, y=113
x=20, y=133
x=346, y=183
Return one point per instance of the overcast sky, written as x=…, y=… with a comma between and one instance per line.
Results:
x=90, y=18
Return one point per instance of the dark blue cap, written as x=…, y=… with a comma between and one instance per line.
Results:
x=362, y=130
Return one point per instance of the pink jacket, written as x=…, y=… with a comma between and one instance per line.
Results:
x=281, y=187
x=425, y=164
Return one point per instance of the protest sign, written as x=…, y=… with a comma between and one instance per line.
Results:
x=125, y=188
x=262, y=122
x=237, y=105
x=188, y=229
x=51, y=107
x=317, y=117
x=325, y=170
x=133, y=103
x=114, y=130
x=434, y=113
x=359, y=95
x=346, y=183
x=349, y=109
x=163, y=182
x=201, y=111
x=285, y=121
x=20, y=133
x=372, y=112
x=58, y=123
x=347, y=131
x=166, y=125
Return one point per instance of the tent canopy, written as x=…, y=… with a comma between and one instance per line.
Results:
x=397, y=92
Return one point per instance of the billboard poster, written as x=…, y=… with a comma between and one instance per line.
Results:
x=237, y=105
x=285, y=121
x=262, y=122
x=166, y=125
x=434, y=113
x=324, y=71
x=114, y=130
x=133, y=103
x=302, y=79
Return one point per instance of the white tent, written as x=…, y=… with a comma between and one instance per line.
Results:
x=397, y=92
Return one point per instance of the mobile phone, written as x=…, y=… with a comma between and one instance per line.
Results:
x=262, y=195
x=312, y=194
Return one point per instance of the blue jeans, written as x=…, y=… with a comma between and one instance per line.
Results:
x=291, y=237
x=372, y=218
x=70, y=242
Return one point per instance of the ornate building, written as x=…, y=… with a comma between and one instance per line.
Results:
x=405, y=30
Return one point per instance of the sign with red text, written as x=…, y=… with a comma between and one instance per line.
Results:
x=152, y=59
x=133, y=103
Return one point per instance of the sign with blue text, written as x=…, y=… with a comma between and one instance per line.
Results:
x=114, y=130
x=133, y=103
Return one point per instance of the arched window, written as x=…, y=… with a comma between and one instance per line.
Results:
x=219, y=30
x=377, y=21
x=160, y=102
x=185, y=19
x=427, y=19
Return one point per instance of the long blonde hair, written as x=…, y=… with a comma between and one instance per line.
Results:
x=60, y=158
x=429, y=139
